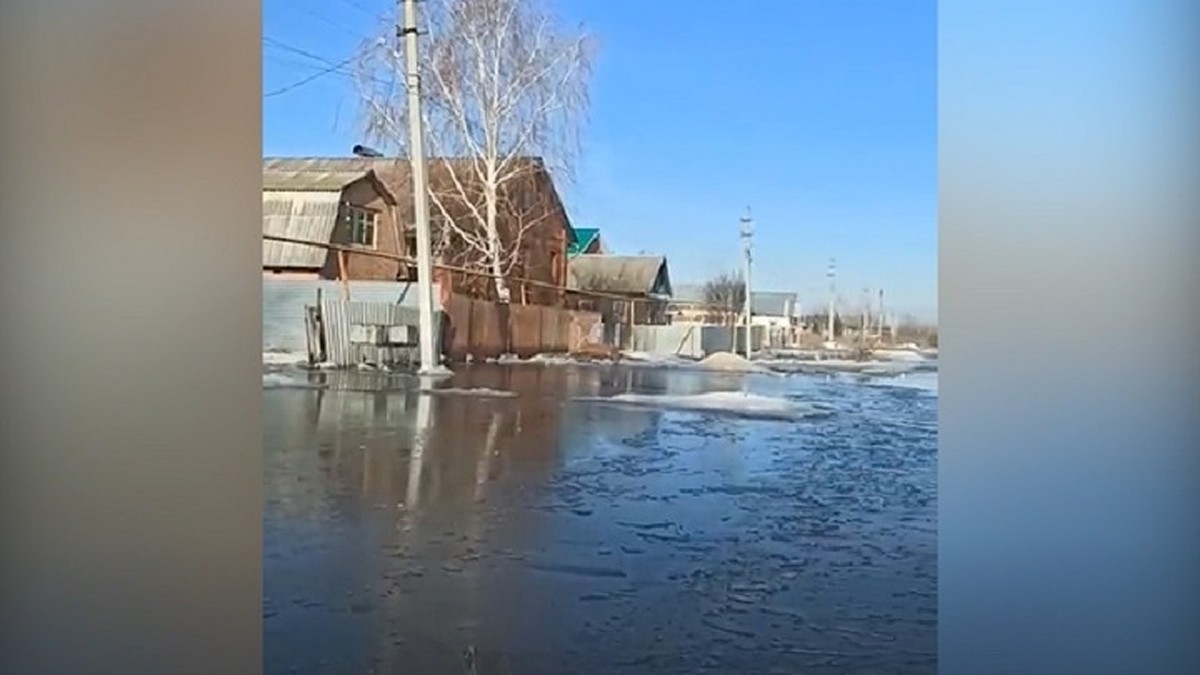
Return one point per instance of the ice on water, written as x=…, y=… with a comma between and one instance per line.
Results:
x=742, y=404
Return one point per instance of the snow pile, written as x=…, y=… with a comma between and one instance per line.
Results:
x=728, y=362
x=648, y=359
x=732, y=402
x=505, y=359
x=278, y=358
x=482, y=392
x=632, y=355
x=554, y=360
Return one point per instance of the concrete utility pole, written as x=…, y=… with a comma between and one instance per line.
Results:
x=864, y=323
x=879, y=328
x=831, y=273
x=416, y=156
x=746, y=234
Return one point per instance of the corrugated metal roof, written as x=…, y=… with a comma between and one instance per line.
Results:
x=393, y=172
x=626, y=274
x=770, y=303
x=306, y=181
x=310, y=216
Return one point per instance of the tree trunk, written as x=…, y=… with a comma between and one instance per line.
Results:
x=495, y=247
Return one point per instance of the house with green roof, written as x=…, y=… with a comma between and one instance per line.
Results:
x=583, y=240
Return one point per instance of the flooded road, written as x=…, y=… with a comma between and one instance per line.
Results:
x=466, y=533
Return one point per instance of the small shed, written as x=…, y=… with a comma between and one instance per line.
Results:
x=622, y=285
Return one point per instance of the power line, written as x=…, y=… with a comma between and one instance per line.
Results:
x=335, y=68
x=295, y=50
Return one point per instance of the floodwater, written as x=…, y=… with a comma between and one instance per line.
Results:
x=459, y=533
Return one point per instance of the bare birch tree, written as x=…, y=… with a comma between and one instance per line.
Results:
x=504, y=94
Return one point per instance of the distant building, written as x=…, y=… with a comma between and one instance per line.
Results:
x=773, y=309
x=688, y=306
x=584, y=241
x=622, y=287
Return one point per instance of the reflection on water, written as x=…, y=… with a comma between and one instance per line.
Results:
x=452, y=534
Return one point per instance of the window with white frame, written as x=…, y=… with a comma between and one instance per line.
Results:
x=362, y=226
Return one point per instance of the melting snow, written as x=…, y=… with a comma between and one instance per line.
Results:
x=281, y=381
x=897, y=355
x=734, y=402
x=284, y=358
x=478, y=391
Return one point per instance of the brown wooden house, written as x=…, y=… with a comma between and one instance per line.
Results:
x=532, y=223
x=351, y=208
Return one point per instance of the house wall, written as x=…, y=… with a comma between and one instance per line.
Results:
x=529, y=199
x=544, y=249
x=365, y=194
x=284, y=301
x=771, y=321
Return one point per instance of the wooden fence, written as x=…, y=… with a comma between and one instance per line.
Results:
x=482, y=329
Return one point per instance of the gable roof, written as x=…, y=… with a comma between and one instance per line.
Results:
x=770, y=303
x=582, y=239
x=624, y=274
x=394, y=174
x=392, y=171
x=284, y=180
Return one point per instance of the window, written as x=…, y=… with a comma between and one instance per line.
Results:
x=362, y=226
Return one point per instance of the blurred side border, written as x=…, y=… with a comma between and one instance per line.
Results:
x=130, y=151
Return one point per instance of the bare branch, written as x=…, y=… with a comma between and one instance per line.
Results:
x=504, y=95
x=725, y=296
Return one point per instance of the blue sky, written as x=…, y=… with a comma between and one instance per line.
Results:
x=818, y=114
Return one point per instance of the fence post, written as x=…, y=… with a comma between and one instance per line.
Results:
x=505, y=327
x=469, y=346
x=345, y=283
